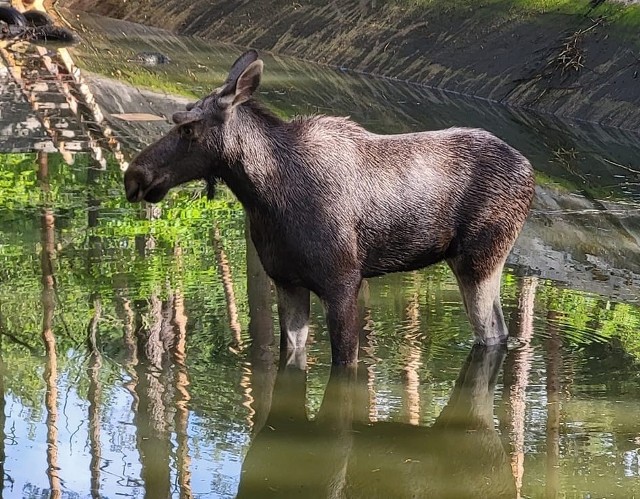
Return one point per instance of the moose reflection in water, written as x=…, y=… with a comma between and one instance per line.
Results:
x=340, y=453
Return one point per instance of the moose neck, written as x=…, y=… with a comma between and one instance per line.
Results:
x=251, y=141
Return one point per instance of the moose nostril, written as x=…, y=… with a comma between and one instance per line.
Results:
x=132, y=190
x=133, y=185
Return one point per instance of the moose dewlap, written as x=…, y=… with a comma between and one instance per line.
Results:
x=330, y=203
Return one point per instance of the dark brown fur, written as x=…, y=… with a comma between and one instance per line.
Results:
x=331, y=203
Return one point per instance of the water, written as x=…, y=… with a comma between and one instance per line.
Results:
x=136, y=343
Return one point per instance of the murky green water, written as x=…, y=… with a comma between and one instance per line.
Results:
x=136, y=344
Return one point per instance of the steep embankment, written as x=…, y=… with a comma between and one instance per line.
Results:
x=556, y=56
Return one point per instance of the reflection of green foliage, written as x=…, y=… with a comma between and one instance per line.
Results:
x=622, y=321
x=586, y=319
x=107, y=258
x=17, y=181
x=129, y=257
x=103, y=259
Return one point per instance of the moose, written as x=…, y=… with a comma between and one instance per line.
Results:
x=330, y=203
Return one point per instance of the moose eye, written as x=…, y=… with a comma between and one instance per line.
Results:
x=186, y=131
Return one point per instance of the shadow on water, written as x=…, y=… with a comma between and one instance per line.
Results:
x=150, y=368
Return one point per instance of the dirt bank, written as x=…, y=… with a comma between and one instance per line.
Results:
x=559, y=57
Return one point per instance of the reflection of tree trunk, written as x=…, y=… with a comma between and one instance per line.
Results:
x=95, y=359
x=130, y=347
x=132, y=322
x=182, y=397
x=43, y=171
x=368, y=345
x=224, y=269
x=160, y=393
x=553, y=347
x=51, y=399
x=259, y=296
x=94, y=395
x=125, y=312
x=152, y=438
x=262, y=370
x=412, y=357
x=516, y=374
x=48, y=306
x=93, y=211
x=152, y=432
x=146, y=243
x=150, y=344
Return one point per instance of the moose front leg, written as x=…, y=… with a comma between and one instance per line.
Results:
x=293, y=312
x=342, y=320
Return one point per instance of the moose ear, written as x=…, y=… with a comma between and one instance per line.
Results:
x=238, y=67
x=236, y=70
x=245, y=85
x=248, y=82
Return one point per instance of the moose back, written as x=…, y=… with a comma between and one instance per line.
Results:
x=330, y=203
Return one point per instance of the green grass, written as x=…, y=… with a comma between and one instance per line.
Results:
x=142, y=77
x=618, y=13
x=562, y=184
x=536, y=6
x=627, y=16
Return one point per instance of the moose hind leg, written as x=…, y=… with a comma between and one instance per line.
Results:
x=293, y=312
x=481, y=297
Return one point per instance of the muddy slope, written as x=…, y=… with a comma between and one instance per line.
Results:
x=583, y=64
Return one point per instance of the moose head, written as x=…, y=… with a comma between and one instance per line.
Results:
x=195, y=148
